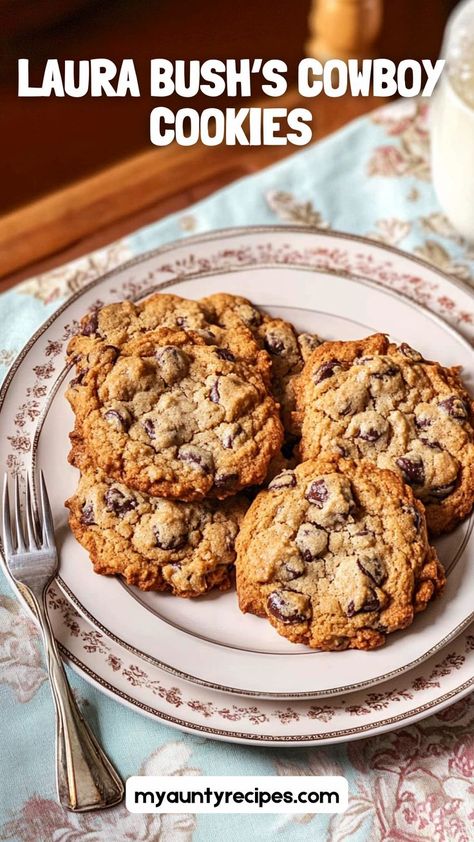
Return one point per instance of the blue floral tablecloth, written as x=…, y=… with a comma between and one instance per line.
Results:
x=371, y=178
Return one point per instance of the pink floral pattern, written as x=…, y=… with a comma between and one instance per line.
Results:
x=42, y=819
x=20, y=660
x=412, y=785
x=408, y=155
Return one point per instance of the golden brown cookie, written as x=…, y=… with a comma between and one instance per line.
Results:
x=335, y=554
x=172, y=416
x=154, y=543
x=373, y=400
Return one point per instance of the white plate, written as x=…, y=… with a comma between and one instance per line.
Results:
x=290, y=272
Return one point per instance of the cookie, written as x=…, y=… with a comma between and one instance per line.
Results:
x=118, y=323
x=171, y=416
x=371, y=399
x=335, y=554
x=288, y=350
x=154, y=543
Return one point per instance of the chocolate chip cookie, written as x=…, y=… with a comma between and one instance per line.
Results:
x=172, y=416
x=371, y=399
x=288, y=350
x=335, y=554
x=154, y=543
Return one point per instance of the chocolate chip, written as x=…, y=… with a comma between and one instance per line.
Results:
x=166, y=539
x=415, y=515
x=197, y=457
x=390, y=371
x=374, y=568
x=410, y=352
x=214, y=393
x=412, y=470
x=442, y=491
x=312, y=541
x=87, y=516
x=181, y=321
x=174, y=363
x=149, y=428
x=90, y=324
x=286, y=479
x=371, y=604
x=422, y=422
x=317, y=493
x=225, y=480
x=435, y=445
x=115, y=417
x=291, y=569
x=289, y=607
x=77, y=381
x=326, y=370
x=118, y=503
x=224, y=354
x=455, y=408
x=364, y=531
x=369, y=435
x=273, y=344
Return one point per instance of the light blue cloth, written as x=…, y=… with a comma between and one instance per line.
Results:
x=371, y=178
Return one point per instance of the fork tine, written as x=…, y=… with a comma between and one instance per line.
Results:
x=6, y=523
x=30, y=516
x=46, y=515
x=20, y=538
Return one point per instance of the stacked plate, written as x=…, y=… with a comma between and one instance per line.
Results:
x=200, y=664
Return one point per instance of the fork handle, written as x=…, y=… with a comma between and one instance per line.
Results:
x=86, y=779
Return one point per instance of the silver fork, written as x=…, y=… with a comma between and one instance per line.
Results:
x=86, y=779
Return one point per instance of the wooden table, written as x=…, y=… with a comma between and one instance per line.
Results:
x=140, y=190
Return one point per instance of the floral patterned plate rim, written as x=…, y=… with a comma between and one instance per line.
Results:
x=441, y=681
x=211, y=260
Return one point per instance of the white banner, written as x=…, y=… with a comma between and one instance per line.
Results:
x=236, y=794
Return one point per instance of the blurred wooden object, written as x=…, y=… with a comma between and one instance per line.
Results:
x=123, y=197
x=344, y=28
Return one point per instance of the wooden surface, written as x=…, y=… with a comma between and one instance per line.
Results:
x=144, y=188
x=344, y=29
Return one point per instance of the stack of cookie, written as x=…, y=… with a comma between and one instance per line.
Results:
x=185, y=408
x=177, y=408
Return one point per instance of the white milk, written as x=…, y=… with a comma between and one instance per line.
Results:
x=452, y=124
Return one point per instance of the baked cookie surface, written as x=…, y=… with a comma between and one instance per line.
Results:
x=373, y=400
x=288, y=350
x=172, y=416
x=335, y=554
x=154, y=543
x=118, y=323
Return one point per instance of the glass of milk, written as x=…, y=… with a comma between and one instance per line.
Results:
x=452, y=123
